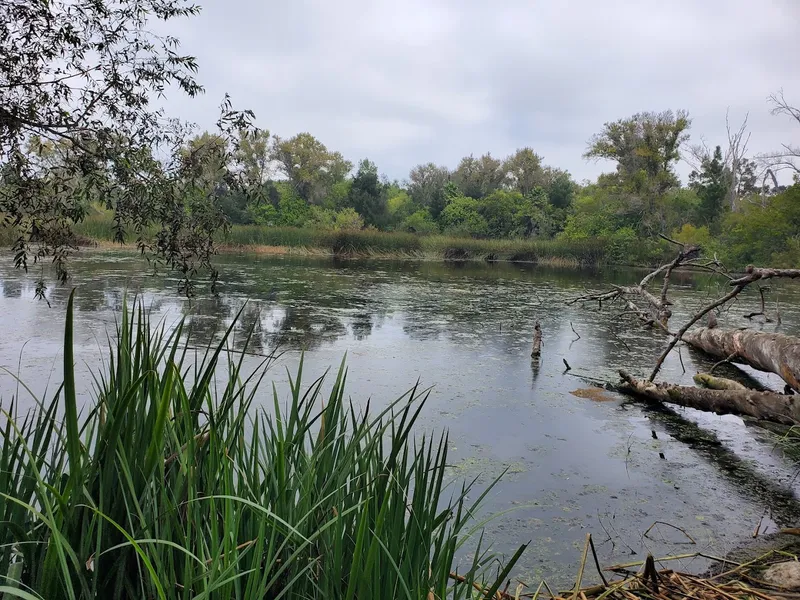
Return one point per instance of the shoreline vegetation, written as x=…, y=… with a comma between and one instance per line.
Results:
x=165, y=486
x=98, y=230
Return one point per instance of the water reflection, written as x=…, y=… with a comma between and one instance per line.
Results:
x=466, y=329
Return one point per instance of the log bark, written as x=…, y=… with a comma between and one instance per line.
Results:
x=536, y=348
x=767, y=406
x=756, y=273
x=770, y=352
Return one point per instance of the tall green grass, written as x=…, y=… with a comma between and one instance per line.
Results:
x=163, y=488
x=381, y=243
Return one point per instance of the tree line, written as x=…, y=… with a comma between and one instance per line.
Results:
x=77, y=128
x=725, y=204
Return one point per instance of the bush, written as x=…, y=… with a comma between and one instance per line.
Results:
x=348, y=219
x=420, y=222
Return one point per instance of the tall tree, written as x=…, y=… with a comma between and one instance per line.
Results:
x=478, y=177
x=83, y=74
x=523, y=171
x=646, y=143
x=368, y=195
x=426, y=186
x=645, y=148
x=711, y=184
x=310, y=166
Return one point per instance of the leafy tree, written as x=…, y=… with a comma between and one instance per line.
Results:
x=764, y=234
x=645, y=148
x=523, y=171
x=399, y=205
x=711, y=184
x=367, y=195
x=500, y=210
x=559, y=187
x=420, y=222
x=478, y=177
x=83, y=74
x=461, y=217
x=310, y=166
x=427, y=185
x=647, y=142
x=255, y=157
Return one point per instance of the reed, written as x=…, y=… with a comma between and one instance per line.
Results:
x=170, y=485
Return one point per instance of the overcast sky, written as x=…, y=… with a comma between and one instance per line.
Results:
x=410, y=81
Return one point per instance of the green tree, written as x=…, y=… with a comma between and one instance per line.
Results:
x=426, y=186
x=367, y=194
x=478, y=177
x=645, y=148
x=84, y=74
x=523, y=171
x=461, y=217
x=399, y=206
x=311, y=168
x=348, y=219
x=711, y=184
x=420, y=222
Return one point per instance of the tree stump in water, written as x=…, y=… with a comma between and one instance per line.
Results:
x=536, y=350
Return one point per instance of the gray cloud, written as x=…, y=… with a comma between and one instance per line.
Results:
x=434, y=80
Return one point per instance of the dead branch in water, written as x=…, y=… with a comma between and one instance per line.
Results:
x=768, y=406
x=656, y=310
x=761, y=312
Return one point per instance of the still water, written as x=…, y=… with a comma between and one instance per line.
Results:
x=598, y=464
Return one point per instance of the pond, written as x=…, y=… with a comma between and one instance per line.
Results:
x=576, y=461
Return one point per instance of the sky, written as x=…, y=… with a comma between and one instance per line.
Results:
x=405, y=82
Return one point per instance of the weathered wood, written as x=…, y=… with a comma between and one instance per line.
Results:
x=536, y=349
x=767, y=406
x=770, y=352
x=717, y=383
x=753, y=274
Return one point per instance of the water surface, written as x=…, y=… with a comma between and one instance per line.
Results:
x=575, y=464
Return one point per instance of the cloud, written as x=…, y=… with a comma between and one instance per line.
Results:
x=434, y=80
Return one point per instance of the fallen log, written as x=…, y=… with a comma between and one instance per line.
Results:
x=767, y=406
x=770, y=352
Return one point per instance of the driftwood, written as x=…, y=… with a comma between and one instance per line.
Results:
x=657, y=311
x=767, y=406
x=536, y=349
x=771, y=352
x=753, y=274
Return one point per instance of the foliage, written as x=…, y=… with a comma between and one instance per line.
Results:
x=80, y=76
x=166, y=489
x=461, y=217
x=426, y=186
x=420, y=222
x=367, y=195
x=764, y=231
x=523, y=171
x=711, y=184
x=310, y=167
x=348, y=219
x=478, y=177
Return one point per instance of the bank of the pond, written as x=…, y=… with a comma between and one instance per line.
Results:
x=98, y=229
